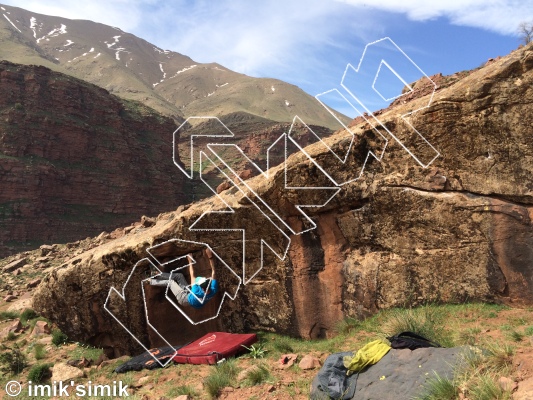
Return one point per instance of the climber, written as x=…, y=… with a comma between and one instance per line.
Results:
x=201, y=289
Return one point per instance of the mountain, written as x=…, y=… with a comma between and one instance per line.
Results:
x=132, y=68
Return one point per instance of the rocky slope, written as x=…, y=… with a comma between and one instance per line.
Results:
x=401, y=234
x=132, y=68
x=75, y=160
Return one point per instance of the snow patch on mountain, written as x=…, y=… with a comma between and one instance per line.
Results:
x=15, y=26
x=83, y=55
x=160, y=51
x=183, y=70
x=116, y=38
x=33, y=25
x=118, y=51
x=54, y=32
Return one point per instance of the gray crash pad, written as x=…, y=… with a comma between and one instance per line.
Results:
x=401, y=374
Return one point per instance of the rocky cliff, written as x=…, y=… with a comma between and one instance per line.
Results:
x=75, y=160
x=401, y=234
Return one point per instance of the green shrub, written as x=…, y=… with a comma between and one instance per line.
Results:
x=256, y=351
x=58, y=337
x=12, y=361
x=40, y=372
x=39, y=351
x=27, y=314
x=529, y=331
x=11, y=335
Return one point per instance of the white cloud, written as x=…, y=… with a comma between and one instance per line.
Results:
x=501, y=16
x=253, y=37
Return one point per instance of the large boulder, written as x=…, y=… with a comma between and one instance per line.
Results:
x=404, y=373
x=400, y=234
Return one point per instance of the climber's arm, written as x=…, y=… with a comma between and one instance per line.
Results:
x=211, y=261
x=191, y=269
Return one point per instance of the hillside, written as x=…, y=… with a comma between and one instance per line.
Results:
x=76, y=160
x=132, y=68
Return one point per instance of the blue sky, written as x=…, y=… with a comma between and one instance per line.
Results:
x=309, y=42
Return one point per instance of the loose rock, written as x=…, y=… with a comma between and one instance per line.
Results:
x=507, y=383
x=41, y=328
x=62, y=372
x=14, y=265
x=309, y=362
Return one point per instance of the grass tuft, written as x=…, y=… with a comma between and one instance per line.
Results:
x=224, y=375
x=426, y=321
x=39, y=351
x=86, y=351
x=186, y=390
x=257, y=375
x=5, y=315
x=348, y=325
x=485, y=388
x=439, y=388
x=515, y=336
x=283, y=344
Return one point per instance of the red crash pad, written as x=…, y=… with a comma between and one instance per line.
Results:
x=214, y=347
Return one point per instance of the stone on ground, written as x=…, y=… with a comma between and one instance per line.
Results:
x=63, y=372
